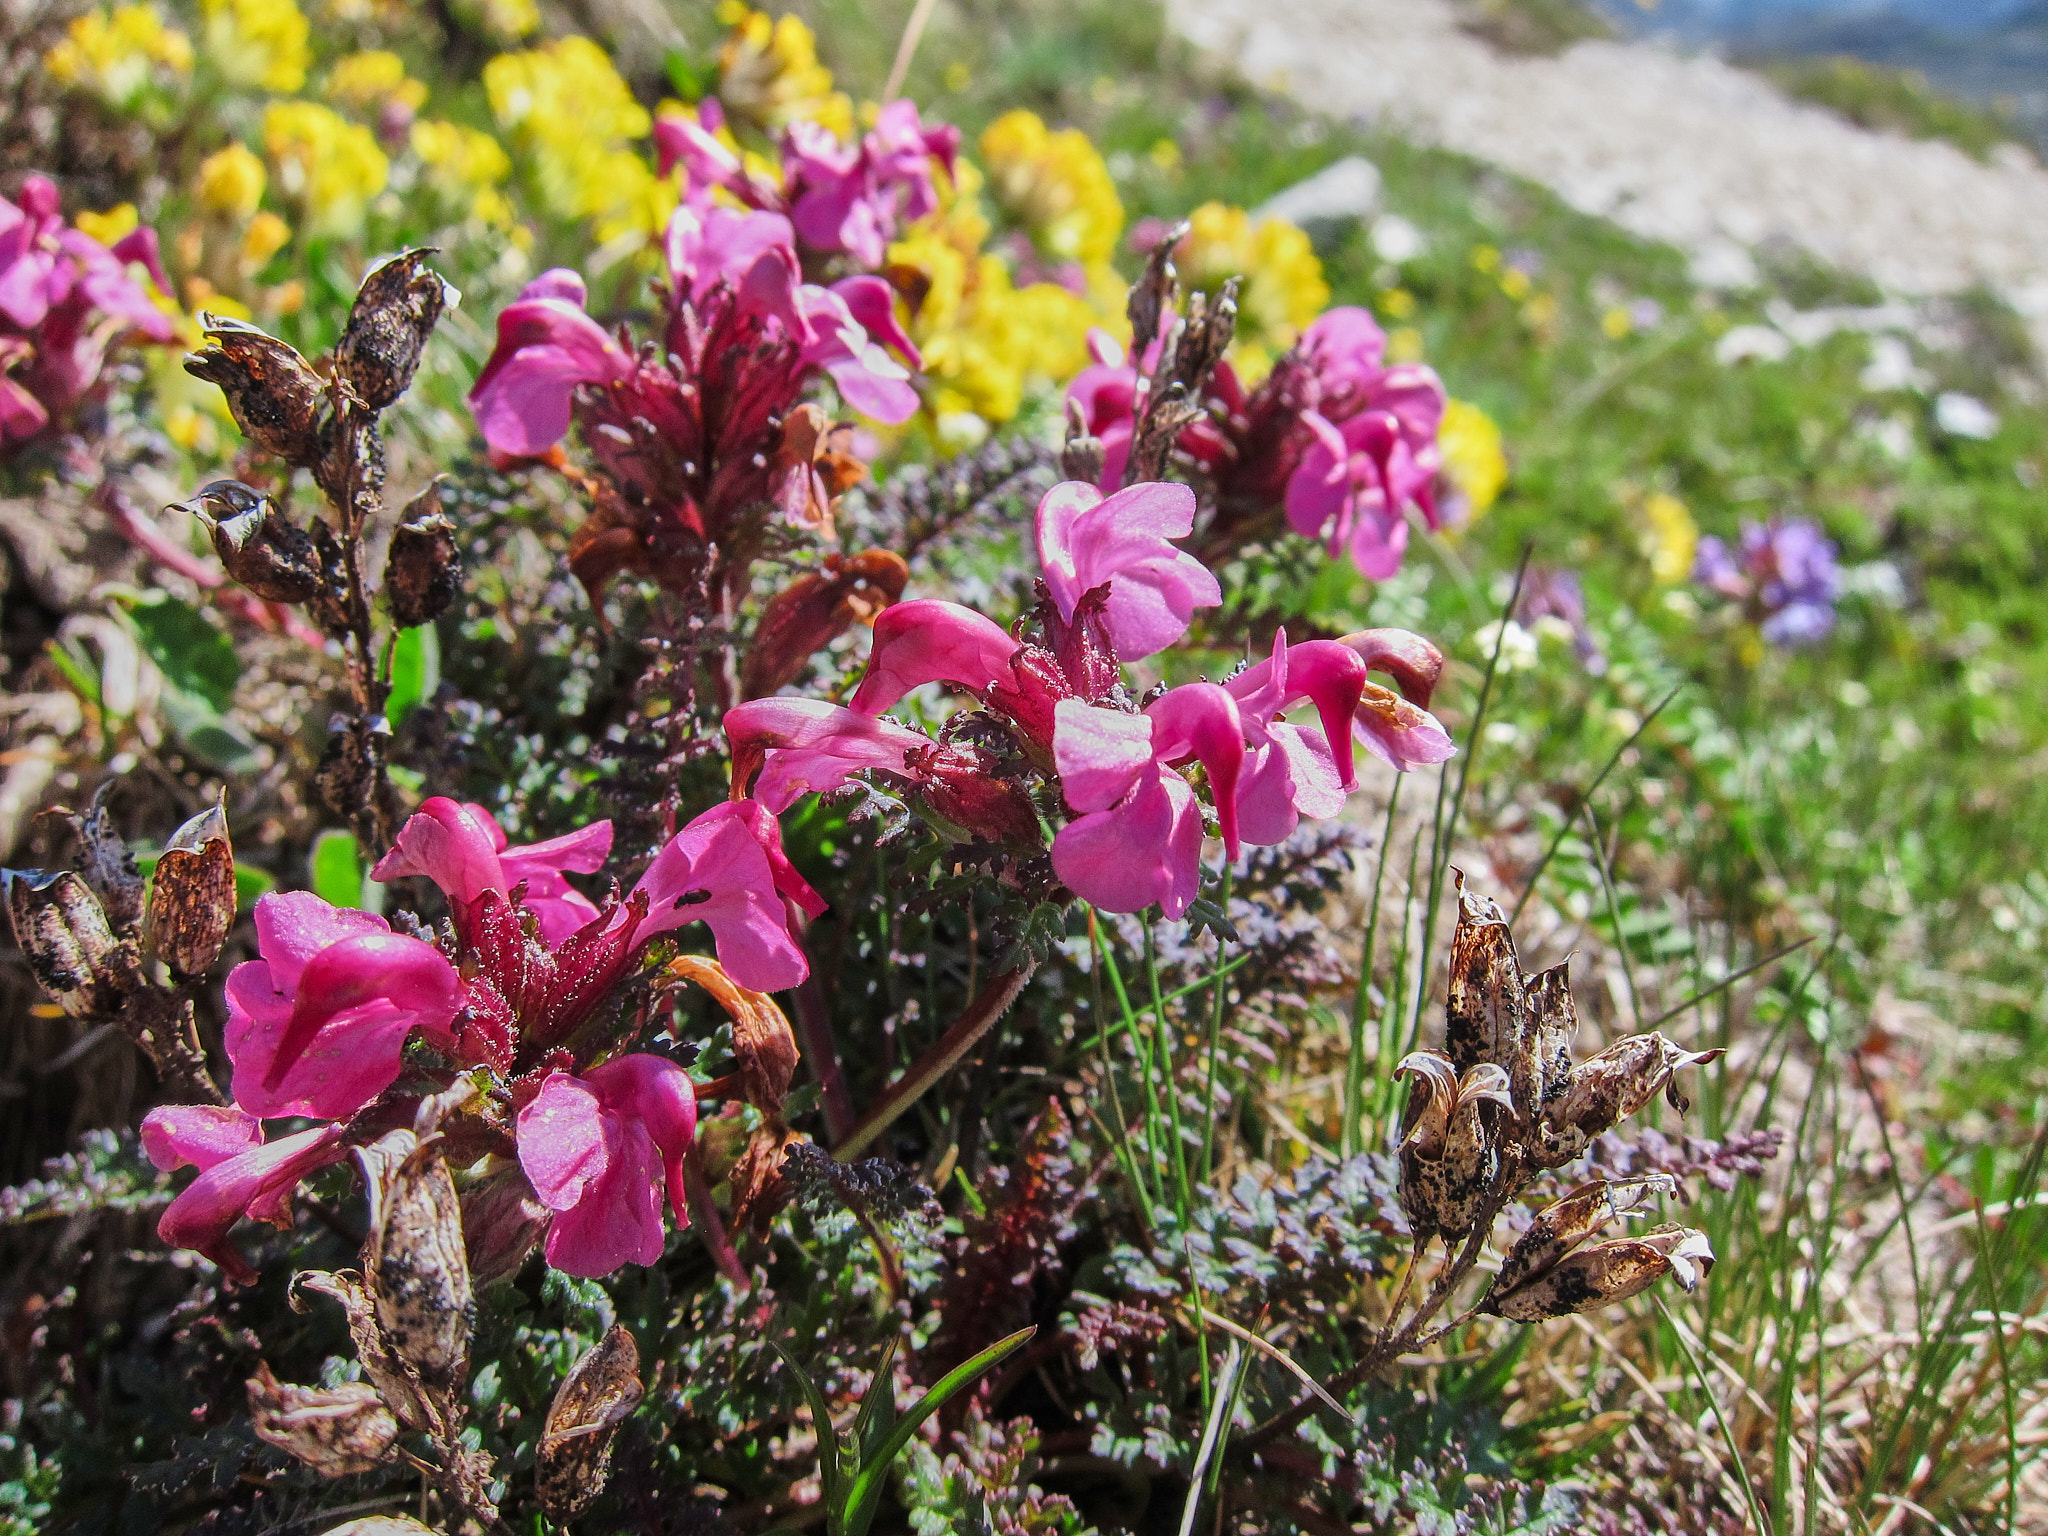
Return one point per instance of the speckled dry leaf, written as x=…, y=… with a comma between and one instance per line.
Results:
x=192, y=897
x=1448, y=1150
x=394, y=1381
x=64, y=936
x=1484, y=1011
x=1552, y=1029
x=416, y=1271
x=762, y=1041
x=600, y=1392
x=337, y=1431
x=106, y=863
x=1608, y=1272
x=1566, y=1224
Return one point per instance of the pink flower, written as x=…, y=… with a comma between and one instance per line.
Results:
x=752, y=253
x=1332, y=675
x=318, y=1025
x=869, y=380
x=240, y=1174
x=693, y=143
x=1138, y=838
x=1344, y=348
x=1086, y=541
x=546, y=346
x=463, y=850
x=597, y=1148
x=718, y=870
x=854, y=198
x=929, y=641
x=807, y=746
x=1356, y=481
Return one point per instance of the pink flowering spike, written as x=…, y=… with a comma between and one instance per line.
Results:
x=761, y=824
x=1146, y=849
x=546, y=346
x=715, y=870
x=1086, y=540
x=560, y=908
x=872, y=303
x=657, y=1093
x=929, y=641
x=1200, y=720
x=257, y=1182
x=198, y=1135
x=1414, y=664
x=448, y=843
x=340, y=1046
x=805, y=746
x=1101, y=754
x=1344, y=347
x=870, y=380
x=1398, y=733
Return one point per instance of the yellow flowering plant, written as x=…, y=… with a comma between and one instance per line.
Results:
x=129, y=57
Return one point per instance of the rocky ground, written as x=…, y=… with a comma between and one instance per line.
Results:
x=1684, y=149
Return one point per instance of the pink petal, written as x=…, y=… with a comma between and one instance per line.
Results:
x=294, y=926
x=1085, y=540
x=714, y=870
x=1100, y=753
x=801, y=746
x=1398, y=733
x=872, y=302
x=929, y=641
x=761, y=824
x=618, y=1220
x=449, y=844
x=658, y=1094
x=1201, y=720
x=1146, y=850
x=565, y=1144
x=198, y=1135
x=258, y=1182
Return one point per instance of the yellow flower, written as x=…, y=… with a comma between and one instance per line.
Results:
x=109, y=226
x=1055, y=185
x=1473, y=458
x=1670, y=538
x=266, y=235
x=117, y=54
x=367, y=80
x=1485, y=258
x=1617, y=322
x=570, y=115
x=231, y=182
x=329, y=165
x=769, y=74
x=958, y=77
x=1282, y=288
x=257, y=42
x=1397, y=303
x=466, y=163
x=507, y=20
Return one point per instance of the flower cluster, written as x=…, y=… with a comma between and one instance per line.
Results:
x=65, y=299
x=1784, y=575
x=319, y=1026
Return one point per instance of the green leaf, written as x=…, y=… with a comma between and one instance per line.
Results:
x=337, y=868
x=865, y=1496
x=75, y=667
x=210, y=735
x=878, y=1409
x=195, y=657
x=415, y=671
x=831, y=1443
x=250, y=883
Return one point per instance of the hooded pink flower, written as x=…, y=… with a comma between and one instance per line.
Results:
x=318, y=1025
x=240, y=1174
x=807, y=746
x=597, y=1148
x=1345, y=348
x=1086, y=541
x=752, y=252
x=693, y=143
x=854, y=198
x=463, y=850
x=868, y=379
x=1138, y=837
x=1358, y=477
x=546, y=346
x=720, y=869
x=930, y=641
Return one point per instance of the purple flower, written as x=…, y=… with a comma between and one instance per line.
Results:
x=1555, y=594
x=1784, y=574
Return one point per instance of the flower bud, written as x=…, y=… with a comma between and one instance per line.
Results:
x=395, y=312
x=1448, y=1153
x=958, y=788
x=502, y=1223
x=816, y=609
x=424, y=572
x=598, y=1395
x=273, y=392
x=192, y=899
x=337, y=1431
x=63, y=932
x=262, y=548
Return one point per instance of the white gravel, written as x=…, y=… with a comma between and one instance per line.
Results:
x=1677, y=148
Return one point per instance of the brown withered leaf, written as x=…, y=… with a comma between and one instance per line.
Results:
x=192, y=896
x=424, y=571
x=1484, y=1010
x=395, y=1382
x=758, y=1188
x=63, y=934
x=1604, y=1273
x=395, y=312
x=337, y=1431
x=762, y=1042
x=417, y=1273
x=598, y=1395
x=106, y=863
x=274, y=394
x=1449, y=1144
x=816, y=609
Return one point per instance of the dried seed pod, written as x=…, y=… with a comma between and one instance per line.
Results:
x=381, y=1525
x=395, y=1382
x=1081, y=456
x=816, y=609
x=337, y=1431
x=1564, y=1225
x=63, y=933
x=762, y=1042
x=106, y=863
x=349, y=771
x=1448, y=1144
x=415, y=1268
x=598, y=1395
x=262, y=549
x=274, y=394
x=1484, y=1010
x=502, y=1223
x=1602, y=1273
x=1608, y=1089
x=192, y=899
x=395, y=312
x=424, y=571
x=350, y=467
x=1551, y=1030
